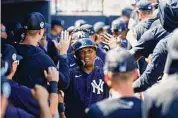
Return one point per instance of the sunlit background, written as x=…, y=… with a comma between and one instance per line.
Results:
x=74, y=7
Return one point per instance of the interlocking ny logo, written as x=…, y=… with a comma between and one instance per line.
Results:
x=99, y=86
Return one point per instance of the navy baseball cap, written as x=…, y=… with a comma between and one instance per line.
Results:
x=126, y=12
x=99, y=26
x=13, y=27
x=144, y=5
x=56, y=22
x=119, y=25
x=119, y=60
x=168, y=14
x=80, y=22
x=172, y=58
x=35, y=21
x=9, y=54
x=88, y=28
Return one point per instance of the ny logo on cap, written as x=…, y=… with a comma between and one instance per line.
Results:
x=149, y=7
x=122, y=67
x=42, y=24
x=14, y=57
x=84, y=43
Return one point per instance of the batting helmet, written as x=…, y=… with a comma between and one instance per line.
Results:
x=84, y=42
x=80, y=34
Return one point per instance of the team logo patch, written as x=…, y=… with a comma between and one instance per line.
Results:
x=14, y=57
x=149, y=7
x=25, y=27
x=42, y=24
x=97, y=88
x=122, y=67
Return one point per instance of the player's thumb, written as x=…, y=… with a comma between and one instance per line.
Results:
x=45, y=73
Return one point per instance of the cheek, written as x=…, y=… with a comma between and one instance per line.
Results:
x=93, y=56
x=81, y=56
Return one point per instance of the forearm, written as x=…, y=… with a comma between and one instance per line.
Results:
x=64, y=72
x=150, y=76
x=44, y=110
x=53, y=98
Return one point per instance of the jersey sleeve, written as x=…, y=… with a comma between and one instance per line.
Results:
x=154, y=69
x=21, y=97
x=145, y=45
x=64, y=72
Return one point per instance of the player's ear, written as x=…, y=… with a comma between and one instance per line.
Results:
x=107, y=78
x=41, y=32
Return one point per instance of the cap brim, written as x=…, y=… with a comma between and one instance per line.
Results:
x=106, y=27
x=47, y=25
x=19, y=57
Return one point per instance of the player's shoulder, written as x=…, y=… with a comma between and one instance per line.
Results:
x=111, y=106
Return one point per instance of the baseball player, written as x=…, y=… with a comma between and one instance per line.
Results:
x=22, y=96
x=120, y=71
x=35, y=61
x=86, y=85
x=119, y=30
x=155, y=103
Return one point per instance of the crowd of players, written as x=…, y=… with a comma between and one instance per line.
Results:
x=86, y=72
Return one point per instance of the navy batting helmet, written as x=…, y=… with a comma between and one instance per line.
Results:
x=84, y=42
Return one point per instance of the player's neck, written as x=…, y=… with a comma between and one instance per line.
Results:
x=10, y=76
x=124, y=90
x=88, y=69
x=30, y=41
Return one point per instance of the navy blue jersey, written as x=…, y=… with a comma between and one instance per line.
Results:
x=161, y=100
x=101, y=53
x=83, y=90
x=14, y=112
x=31, y=68
x=51, y=49
x=103, y=46
x=143, y=26
x=155, y=69
x=149, y=40
x=52, y=37
x=124, y=43
x=125, y=107
x=21, y=97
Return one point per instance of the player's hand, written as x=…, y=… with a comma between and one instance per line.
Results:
x=64, y=43
x=52, y=74
x=40, y=93
x=43, y=41
x=109, y=40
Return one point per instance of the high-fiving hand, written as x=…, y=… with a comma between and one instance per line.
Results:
x=64, y=42
x=110, y=40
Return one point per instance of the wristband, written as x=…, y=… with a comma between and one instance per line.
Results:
x=53, y=87
x=61, y=107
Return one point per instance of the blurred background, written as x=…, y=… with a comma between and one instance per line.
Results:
x=68, y=11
